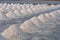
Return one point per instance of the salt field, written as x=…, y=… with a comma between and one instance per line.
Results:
x=29, y=21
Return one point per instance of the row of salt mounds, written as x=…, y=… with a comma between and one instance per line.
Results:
x=44, y=20
x=43, y=24
x=48, y=28
x=14, y=33
x=20, y=11
x=32, y=10
x=26, y=10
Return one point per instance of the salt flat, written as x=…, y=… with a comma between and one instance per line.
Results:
x=29, y=22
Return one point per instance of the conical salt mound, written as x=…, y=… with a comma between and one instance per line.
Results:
x=47, y=15
x=30, y=10
x=53, y=6
x=48, y=18
x=42, y=18
x=14, y=33
x=35, y=21
x=24, y=11
x=34, y=8
x=14, y=7
x=19, y=14
x=9, y=7
x=11, y=15
x=29, y=27
x=4, y=5
x=18, y=6
x=53, y=14
x=38, y=23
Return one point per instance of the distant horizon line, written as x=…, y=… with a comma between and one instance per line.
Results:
x=33, y=2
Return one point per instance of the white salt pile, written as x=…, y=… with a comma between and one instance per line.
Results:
x=10, y=14
x=14, y=33
x=42, y=18
x=28, y=27
x=18, y=13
